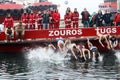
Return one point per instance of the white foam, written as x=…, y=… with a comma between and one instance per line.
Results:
x=118, y=55
x=43, y=54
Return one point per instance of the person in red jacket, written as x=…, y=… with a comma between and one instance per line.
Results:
x=32, y=20
x=51, y=24
x=67, y=19
x=24, y=19
x=75, y=18
x=117, y=18
x=8, y=25
x=56, y=19
x=69, y=11
x=39, y=20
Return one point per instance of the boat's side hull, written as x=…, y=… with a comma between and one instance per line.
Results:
x=19, y=46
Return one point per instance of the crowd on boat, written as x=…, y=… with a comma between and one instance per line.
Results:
x=50, y=19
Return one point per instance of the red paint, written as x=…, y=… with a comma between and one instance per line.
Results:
x=69, y=32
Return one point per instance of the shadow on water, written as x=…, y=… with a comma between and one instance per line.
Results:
x=109, y=58
x=13, y=62
x=110, y=63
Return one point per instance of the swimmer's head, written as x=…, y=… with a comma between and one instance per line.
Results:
x=83, y=46
x=108, y=36
x=61, y=45
x=74, y=47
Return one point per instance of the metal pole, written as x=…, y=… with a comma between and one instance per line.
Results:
x=118, y=4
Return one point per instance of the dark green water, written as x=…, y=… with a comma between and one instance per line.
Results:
x=41, y=65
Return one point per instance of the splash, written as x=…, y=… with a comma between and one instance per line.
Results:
x=118, y=55
x=44, y=54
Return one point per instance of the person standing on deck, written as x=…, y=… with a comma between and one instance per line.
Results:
x=24, y=19
x=68, y=20
x=117, y=18
x=8, y=26
x=46, y=19
x=20, y=31
x=38, y=23
x=85, y=17
x=51, y=23
x=75, y=18
x=69, y=11
x=56, y=19
x=107, y=18
x=99, y=19
x=32, y=20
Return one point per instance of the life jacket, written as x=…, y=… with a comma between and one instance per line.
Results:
x=75, y=16
x=8, y=22
x=24, y=18
x=117, y=17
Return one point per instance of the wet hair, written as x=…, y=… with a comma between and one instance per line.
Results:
x=108, y=36
x=61, y=45
x=74, y=47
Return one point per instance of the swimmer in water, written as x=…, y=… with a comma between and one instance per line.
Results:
x=75, y=51
x=67, y=44
x=94, y=50
x=104, y=37
x=61, y=45
x=51, y=46
x=86, y=53
x=113, y=42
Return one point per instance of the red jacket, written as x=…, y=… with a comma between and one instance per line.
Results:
x=67, y=19
x=24, y=18
x=32, y=18
x=52, y=13
x=75, y=16
x=117, y=17
x=38, y=18
x=8, y=22
x=56, y=16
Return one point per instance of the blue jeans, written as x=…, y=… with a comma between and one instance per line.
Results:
x=86, y=24
x=118, y=24
x=45, y=25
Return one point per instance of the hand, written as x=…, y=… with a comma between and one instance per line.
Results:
x=103, y=45
x=114, y=23
x=108, y=47
x=76, y=57
x=89, y=57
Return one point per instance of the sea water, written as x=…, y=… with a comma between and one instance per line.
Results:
x=45, y=64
